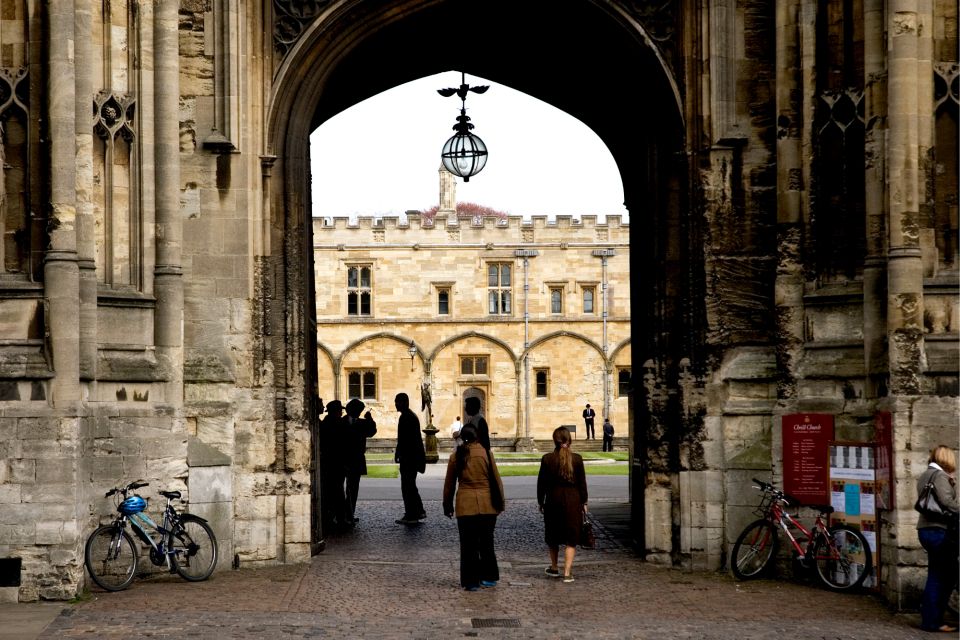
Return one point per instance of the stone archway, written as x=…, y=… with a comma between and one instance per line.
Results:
x=335, y=58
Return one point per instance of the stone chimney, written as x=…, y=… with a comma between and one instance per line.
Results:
x=448, y=193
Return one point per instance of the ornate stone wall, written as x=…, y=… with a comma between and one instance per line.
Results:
x=159, y=255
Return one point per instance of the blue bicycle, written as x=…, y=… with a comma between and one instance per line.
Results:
x=185, y=543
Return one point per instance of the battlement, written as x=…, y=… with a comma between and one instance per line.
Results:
x=512, y=228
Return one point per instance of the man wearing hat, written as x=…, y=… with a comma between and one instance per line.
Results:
x=356, y=431
x=330, y=440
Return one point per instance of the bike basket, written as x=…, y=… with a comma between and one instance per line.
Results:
x=132, y=505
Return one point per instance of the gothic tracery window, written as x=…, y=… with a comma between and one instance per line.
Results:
x=838, y=209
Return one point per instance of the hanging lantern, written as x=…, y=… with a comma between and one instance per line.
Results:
x=464, y=154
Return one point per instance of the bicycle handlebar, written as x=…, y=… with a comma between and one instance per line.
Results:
x=786, y=498
x=136, y=484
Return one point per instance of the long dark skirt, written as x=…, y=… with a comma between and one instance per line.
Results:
x=478, y=560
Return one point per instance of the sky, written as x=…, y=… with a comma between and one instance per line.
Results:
x=381, y=156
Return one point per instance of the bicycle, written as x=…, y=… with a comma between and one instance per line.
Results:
x=185, y=544
x=840, y=554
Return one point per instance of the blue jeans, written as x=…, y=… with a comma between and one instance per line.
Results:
x=942, y=569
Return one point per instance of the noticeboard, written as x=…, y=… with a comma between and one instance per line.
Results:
x=855, y=495
x=806, y=438
x=884, y=436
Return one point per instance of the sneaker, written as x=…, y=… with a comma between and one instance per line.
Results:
x=422, y=516
x=553, y=573
x=471, y=588
x=568, y=578
x=406, y=520
x=488, y=583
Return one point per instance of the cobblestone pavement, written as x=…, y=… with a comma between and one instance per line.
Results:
x=384, y=580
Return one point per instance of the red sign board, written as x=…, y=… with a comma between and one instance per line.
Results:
x=884, y=438
x=806, y=456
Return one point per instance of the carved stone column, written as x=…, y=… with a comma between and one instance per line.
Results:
x=907, y=107
x=788, y=290
x=60, y=271
x=874, y=269
x=86, y=241
x=168, y=274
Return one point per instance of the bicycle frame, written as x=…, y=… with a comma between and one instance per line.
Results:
x=140, y=522
x=785, y=521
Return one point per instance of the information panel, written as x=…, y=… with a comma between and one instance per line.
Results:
x=884, y=458
x=855, y=494
x=806, y=440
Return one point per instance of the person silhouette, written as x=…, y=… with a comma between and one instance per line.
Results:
x=471, y=407
x=356, y=430
x=588, y=416
x=412, y=459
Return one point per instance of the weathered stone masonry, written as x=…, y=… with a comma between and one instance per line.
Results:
x=790, y=169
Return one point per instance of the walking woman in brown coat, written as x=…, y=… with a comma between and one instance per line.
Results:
x=562, y=496
x=479, y=499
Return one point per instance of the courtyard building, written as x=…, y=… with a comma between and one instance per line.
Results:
x=530, y=316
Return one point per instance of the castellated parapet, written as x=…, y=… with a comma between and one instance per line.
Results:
x=513, y=229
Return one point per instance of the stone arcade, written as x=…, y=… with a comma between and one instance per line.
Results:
x=790, y=169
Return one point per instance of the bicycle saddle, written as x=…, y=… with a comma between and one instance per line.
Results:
x=822, y=508
x=173, y=495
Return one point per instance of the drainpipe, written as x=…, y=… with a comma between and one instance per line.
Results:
x=526, y=254
x=603, y=254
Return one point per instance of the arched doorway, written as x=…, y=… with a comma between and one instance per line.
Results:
x=618, y=81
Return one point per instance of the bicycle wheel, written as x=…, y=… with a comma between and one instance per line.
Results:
x=193, y=548
x=111, y=558
x=843, y=560
x=754, y=550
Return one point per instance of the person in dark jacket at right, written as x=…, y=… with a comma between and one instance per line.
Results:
x=562, y=496
x=938, y=537
x=411, y=458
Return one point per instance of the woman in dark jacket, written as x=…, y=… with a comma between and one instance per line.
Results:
x=479, y=499
x=938, y=536
x=562, y=496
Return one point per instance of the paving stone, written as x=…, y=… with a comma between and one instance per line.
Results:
x=387, y=581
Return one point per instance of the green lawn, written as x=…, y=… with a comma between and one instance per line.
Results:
x=591, y=469
x=393, y=471
x=383, y=470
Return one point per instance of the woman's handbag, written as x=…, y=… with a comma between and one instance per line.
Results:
x=587, y=538
x=928, y=504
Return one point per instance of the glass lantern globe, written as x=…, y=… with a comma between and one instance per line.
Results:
x=464, y=155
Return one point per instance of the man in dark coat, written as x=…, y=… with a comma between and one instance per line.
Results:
x=607, y=435
x=588, y=416
x=471, y=407
x=330, y=443
x=356, y=430
x=412, y=459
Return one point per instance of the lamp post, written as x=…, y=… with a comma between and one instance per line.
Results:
x=604, y=254
x=464, y=154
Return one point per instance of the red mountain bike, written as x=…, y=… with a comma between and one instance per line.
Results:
x=839, y=554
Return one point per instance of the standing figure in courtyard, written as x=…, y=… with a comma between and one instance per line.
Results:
x=562, y=496
x=412, y=459
x=455, y=427
x=332, y=475
x=588, y=415
x=473, y=479
x=607, y=435
x=356, y=431
x=471, y=407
